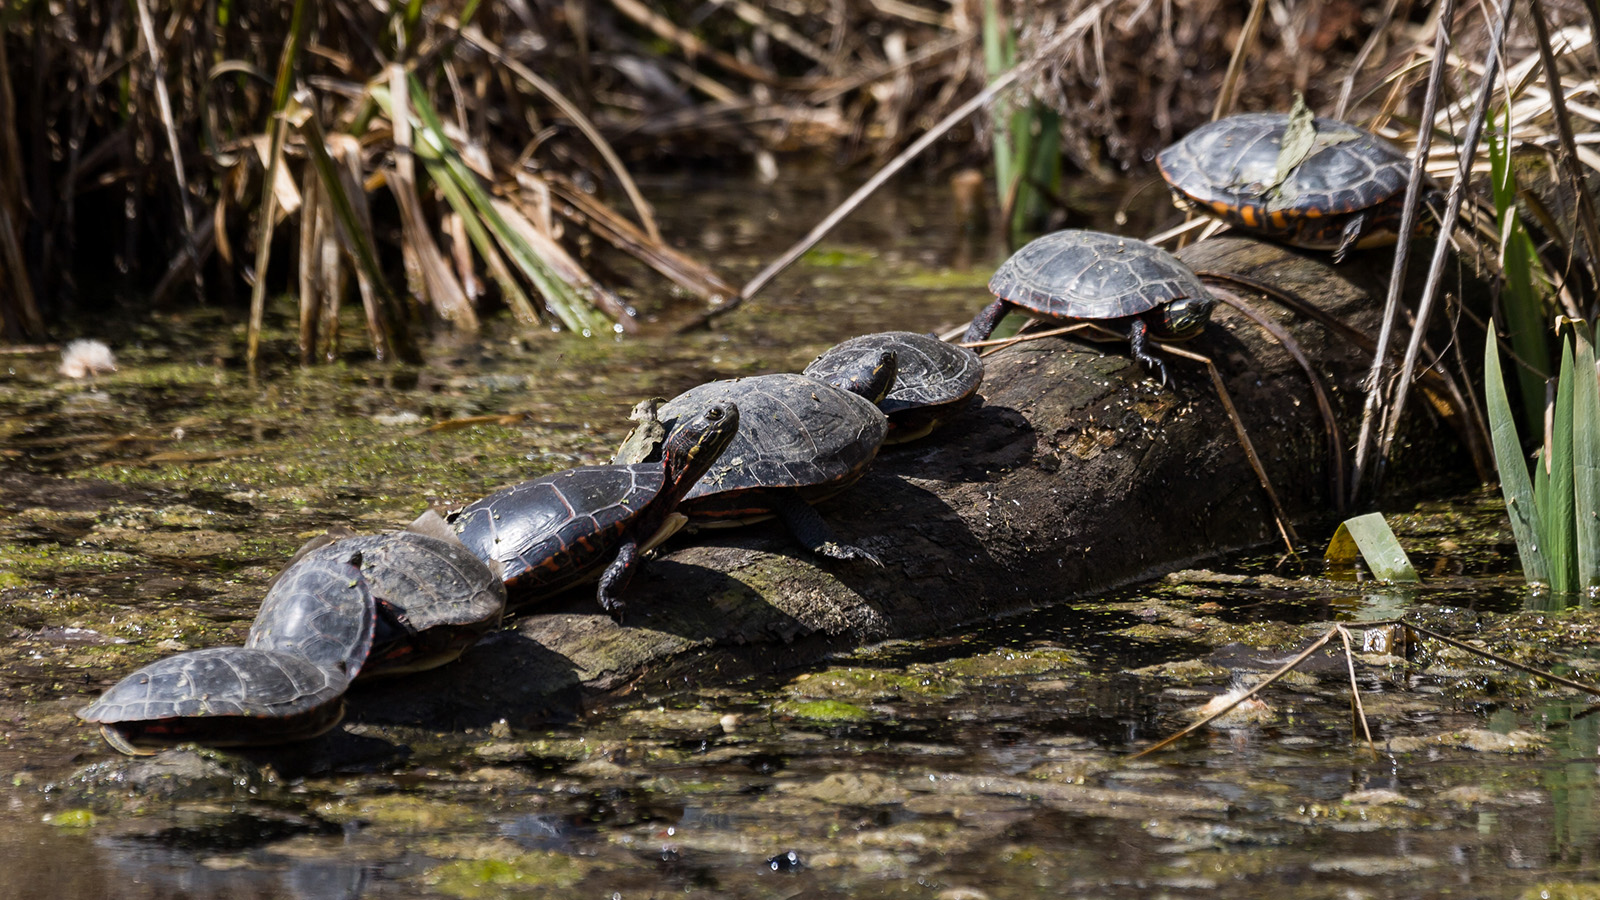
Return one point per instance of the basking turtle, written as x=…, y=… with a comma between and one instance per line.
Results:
x=933, y=379
x=1346, y=191
x=800, y=441
x=222, y=697
x=1122, y=284
x=561, y=530
x=321, y=608
x=435, y=598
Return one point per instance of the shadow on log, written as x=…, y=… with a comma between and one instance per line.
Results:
x=1077, y=474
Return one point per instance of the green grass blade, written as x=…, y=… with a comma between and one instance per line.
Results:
x=999, y=53
x=1522, y=300
x=1561, y=538
x=1515, y=484
x=1044, y=166
x=575, y=312
x=1371, y=537
x=444, y=163
x=1586, y=461
x=516, y=298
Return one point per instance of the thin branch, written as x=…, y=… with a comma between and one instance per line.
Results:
x=1281, y=518
x=1247, y=40
x=1469, y=149
x=1377, y=379
x=579, y=120
x=1360, y=62
x=1283, y=670
x=1330, y=421
x=164, y=106
x=1569, y=148
x=1045, y=54
x=1355, y=689
x=1548, y=676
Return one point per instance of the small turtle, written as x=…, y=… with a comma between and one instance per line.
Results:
x=221, y=697
x=1347, y=190
x=933, y=379
x=320, y=608
x=1124, y=285
x=561, y=530
x=435, y=598
x=800, y=441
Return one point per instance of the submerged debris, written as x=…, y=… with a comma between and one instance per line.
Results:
x=85, y=357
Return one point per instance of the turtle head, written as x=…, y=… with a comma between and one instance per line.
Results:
x=871, y=377
x=1431, y=215
x=697, y=443
x=1186, y=317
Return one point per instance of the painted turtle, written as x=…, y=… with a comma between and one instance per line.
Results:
x=321, y=608
x=801, y=441
x=1346, y=191
x=435, y=598
x=1119, y=283
x=561, y=530
x=933, y=379
x=221, y=696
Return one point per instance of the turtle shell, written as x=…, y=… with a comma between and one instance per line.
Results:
x=437, y=599
x=221, y=696
x=929, y=372
x=1076, y=274
x=320, y=608
x=1228, y=168
x=794, y=432
x=560, y=530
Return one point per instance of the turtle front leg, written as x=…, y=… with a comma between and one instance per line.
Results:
x=1351, y=234
x=616, y=577
x=1139, y=342
x=809, y=529
x=984, y=322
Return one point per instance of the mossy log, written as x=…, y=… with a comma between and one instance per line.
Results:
x=1077, y=473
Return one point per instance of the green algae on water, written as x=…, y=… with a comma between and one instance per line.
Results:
x=517, y=873
x=821, y=711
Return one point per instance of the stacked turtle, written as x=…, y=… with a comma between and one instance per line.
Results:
x=724, y=453
x=345, y=607
x=1336, y=187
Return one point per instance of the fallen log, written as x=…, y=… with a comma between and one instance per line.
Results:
x=1078, y=473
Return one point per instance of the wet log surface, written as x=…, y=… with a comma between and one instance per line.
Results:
x=1078, y=473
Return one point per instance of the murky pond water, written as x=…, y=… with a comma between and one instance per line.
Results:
x=144, y=513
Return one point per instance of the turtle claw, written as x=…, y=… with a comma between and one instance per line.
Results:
x=836, y=550
x=1139, y=343
x=613, y=605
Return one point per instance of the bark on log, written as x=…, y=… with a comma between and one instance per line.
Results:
x=1078, y=473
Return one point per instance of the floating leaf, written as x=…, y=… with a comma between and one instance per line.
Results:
x=1370, y=537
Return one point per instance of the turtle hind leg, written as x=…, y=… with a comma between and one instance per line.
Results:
x=1139, y=342
x=1349, y=237
x=616, y=577
x=984, y=322
x=808, y=528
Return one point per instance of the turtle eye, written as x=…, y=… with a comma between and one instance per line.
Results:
x=714, y=414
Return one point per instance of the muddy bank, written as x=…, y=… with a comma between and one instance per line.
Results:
x=1076, y=474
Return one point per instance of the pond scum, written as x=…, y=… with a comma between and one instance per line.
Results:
x=176, y=127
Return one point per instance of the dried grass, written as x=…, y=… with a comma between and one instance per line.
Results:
x=534, y=99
